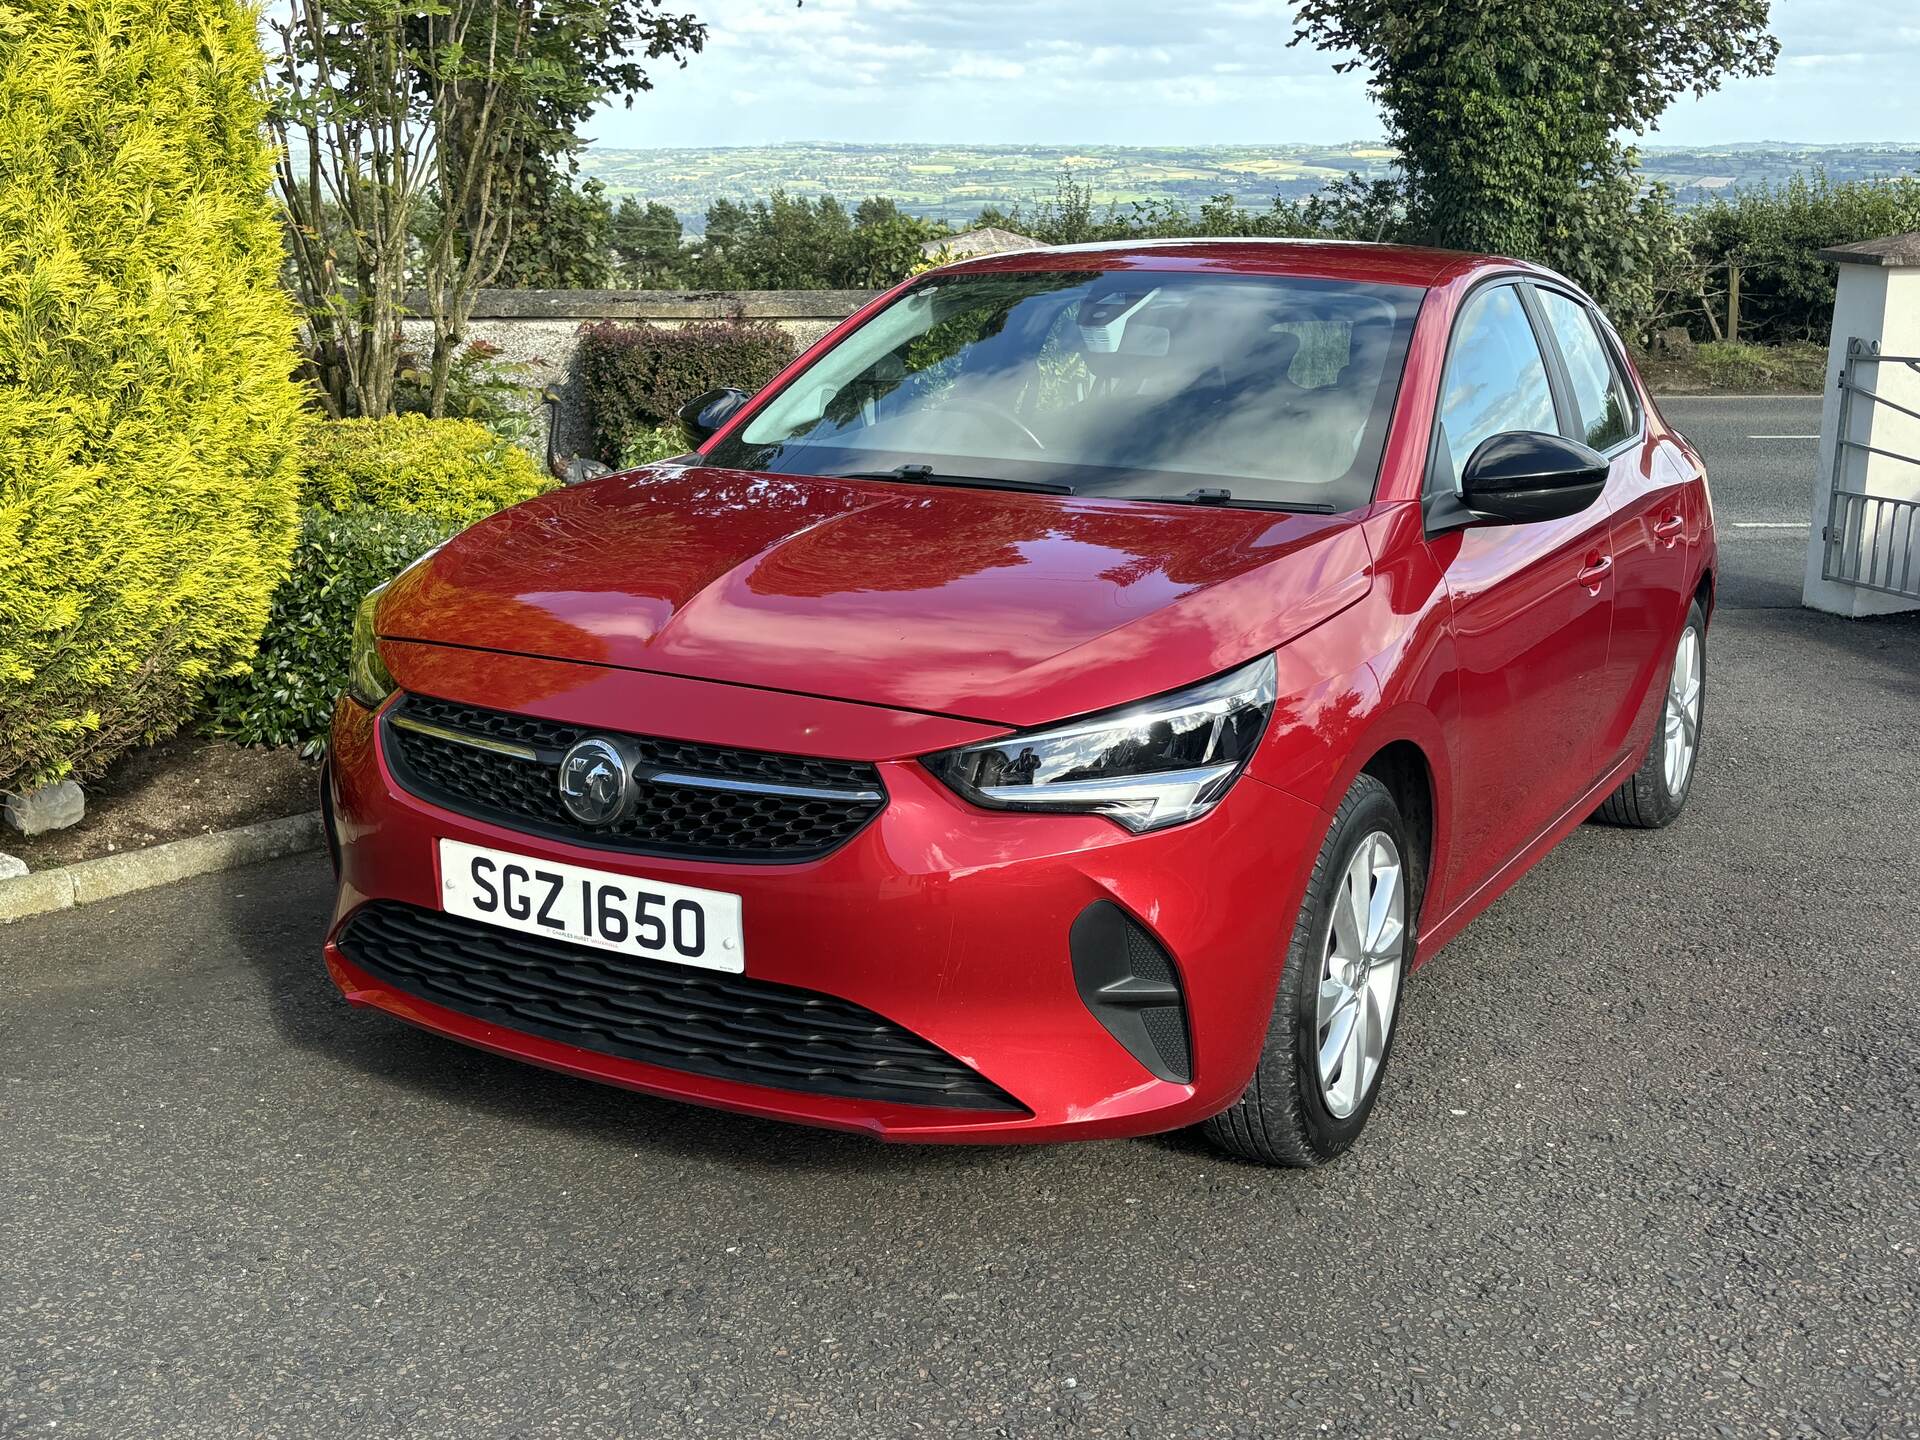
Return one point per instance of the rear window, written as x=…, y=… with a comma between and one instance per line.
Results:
x=1136, y=384
x=1606, y=415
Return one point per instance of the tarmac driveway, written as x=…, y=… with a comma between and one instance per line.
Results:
x=1645, y=1162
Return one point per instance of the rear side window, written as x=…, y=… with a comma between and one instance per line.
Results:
x=1496, y=379
x=1606, y=418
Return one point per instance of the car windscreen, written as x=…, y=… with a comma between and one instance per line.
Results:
x=1141, y=384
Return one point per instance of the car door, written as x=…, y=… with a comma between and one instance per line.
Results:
x=1531, y=604
x=1646, y=499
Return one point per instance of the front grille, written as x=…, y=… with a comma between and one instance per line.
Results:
x=699, y=1021
x=704, y=801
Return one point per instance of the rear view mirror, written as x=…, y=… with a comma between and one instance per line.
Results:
x=1522, y=476
x=704, y=415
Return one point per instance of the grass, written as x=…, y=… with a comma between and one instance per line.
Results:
x=1737, y=368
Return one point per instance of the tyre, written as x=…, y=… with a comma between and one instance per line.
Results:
x=1652, y=796
x=1339, y=996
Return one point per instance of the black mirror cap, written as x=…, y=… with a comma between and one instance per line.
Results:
x=1522, y=476
x=704, y=415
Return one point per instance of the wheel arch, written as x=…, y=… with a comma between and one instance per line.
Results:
x=1403, y=767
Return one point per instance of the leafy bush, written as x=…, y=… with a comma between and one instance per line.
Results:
x=646, y=446
x=150, y=425
x=1775, y=233
x=452, y=470
x=480, y=386
x=638, y=376
x=379, y=493
x=288, y=697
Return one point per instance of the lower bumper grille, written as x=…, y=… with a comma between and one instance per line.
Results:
x=726, y=1027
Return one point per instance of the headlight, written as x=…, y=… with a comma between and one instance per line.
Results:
x=1149, y=765
x=367, y=679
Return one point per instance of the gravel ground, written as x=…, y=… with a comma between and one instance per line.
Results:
x=1645, y=1164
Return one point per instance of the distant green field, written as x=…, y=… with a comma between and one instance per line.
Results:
x=952, y=182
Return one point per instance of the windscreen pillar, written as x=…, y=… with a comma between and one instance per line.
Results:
x=1869, y=436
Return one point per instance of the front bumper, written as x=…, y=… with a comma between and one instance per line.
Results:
x=948, y=921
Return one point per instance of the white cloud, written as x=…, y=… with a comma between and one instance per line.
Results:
x=1133, y=72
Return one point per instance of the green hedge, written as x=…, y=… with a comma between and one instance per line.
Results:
x=638, y=376
x=288, y=697
x=378, y=492
x=150, y=425
x=452, y=470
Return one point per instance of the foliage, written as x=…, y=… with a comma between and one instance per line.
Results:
x=1775, y=233
x=563, y=239
x=287, y=697
x=426, y=124
x=451, y=471
x=1505, y=113
x=638, y=376
x=480, y=386
x=149, y=421
x=780, y=243
x=646, y=242
x=645, y=446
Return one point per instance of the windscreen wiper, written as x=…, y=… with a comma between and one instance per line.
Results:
x=927, y=475
x=1216, y=496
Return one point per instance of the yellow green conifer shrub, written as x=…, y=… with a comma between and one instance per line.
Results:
x=150, y=424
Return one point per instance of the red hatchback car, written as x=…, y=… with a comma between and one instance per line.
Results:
x=1066, y=702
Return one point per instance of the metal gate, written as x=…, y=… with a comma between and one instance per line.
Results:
x=1872, y=541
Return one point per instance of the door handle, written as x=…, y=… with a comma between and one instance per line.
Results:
x=1669, y=527
x=1595, y=572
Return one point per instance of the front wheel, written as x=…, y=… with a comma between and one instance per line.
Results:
x=1339, y=996
x=1652, y=796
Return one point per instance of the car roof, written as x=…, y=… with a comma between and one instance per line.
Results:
x=1327, y=259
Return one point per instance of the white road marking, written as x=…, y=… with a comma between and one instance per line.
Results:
x=1772, y=524
x=1783, y=437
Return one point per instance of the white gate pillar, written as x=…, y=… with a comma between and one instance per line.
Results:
x=1876, y=303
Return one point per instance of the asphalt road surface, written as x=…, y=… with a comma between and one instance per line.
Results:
x=1645, y=1162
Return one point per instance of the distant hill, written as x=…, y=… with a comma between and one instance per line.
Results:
x=952, y=182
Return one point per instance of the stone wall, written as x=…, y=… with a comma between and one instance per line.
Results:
x=540, y=329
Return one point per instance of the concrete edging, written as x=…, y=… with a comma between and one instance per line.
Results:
x=84, y=881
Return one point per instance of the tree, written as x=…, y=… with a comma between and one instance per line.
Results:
x=793, y=244
x=564, y=239
x=1506, y=112
x=646, y=242
x=417, y=123
x=151, y=429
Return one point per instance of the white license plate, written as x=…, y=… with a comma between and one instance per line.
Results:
x=649, y=918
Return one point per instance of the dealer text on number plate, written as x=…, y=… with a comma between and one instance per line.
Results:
x=648, y=918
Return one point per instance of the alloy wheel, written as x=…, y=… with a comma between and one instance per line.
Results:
x=1683, y=712
x=1360, y=973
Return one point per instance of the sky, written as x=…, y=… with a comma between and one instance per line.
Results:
x=1142, y=72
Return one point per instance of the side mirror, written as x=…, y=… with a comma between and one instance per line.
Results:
x=1522, y=476
x=702, y=416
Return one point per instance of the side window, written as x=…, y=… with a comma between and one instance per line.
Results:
x=1606, y=416
x=1495, y=378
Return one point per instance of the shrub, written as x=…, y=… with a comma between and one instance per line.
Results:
x=150, y=425
x=480, y=386
x=1775, y=234
x=287, y=698
x=452, y=470
x=645, y=446
x=638, y=376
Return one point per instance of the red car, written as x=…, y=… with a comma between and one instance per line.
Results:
x=1066, y=702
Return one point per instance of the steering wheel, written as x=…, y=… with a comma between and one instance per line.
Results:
x=998, y=417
